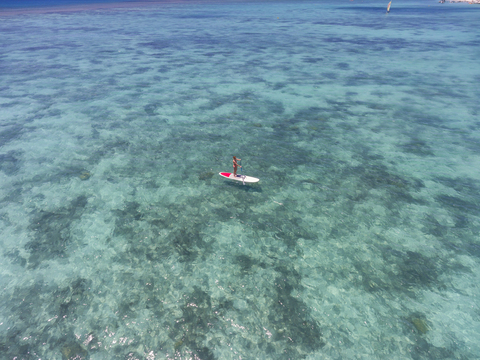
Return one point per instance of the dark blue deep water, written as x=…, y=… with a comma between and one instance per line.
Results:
x=28, y=4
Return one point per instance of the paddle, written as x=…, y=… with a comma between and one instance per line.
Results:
x=241, y=172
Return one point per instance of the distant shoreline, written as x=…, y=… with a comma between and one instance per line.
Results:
x=465, y=1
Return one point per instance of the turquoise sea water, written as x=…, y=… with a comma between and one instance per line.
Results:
x=120, y=241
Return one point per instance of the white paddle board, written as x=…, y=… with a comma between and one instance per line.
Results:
x=242, y=178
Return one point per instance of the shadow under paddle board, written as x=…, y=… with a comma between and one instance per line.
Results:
x=242, y=178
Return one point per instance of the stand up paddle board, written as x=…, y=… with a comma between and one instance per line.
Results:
x=243, y=178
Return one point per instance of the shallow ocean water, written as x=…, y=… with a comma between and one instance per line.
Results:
x=120, y=241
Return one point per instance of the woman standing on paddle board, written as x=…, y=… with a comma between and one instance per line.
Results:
x=235, y=165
